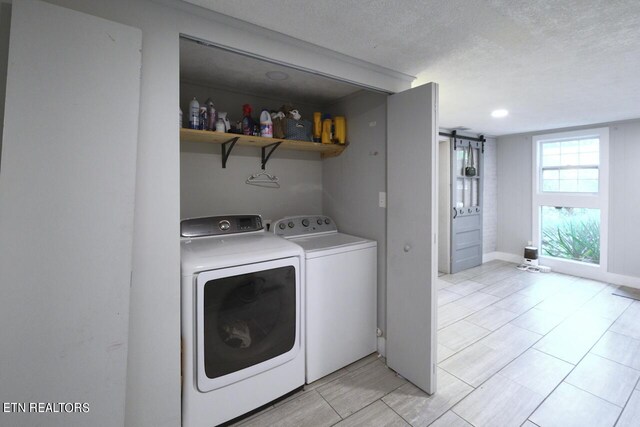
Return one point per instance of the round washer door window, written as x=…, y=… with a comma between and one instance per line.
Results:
x=248, y=319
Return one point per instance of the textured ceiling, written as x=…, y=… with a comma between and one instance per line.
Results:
x=550, y=63
x=216, y=67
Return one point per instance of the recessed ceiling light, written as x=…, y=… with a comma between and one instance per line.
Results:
x=499, y=113
x=277, y=75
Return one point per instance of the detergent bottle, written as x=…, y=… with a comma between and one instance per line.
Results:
x=266, y=124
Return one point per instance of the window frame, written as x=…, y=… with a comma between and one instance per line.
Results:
x=599, y=200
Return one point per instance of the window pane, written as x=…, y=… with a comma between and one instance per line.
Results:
x=571, y=233
x=561, y=161
x=551, y=161
x=589, y=145
x=587, y=159
x=569, y=174
x=569, y=147
x=588, y=186
x=570, y=159
x=588, y=174
x=551, y=148
x=568, y=185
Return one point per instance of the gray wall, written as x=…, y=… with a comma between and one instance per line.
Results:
x=208, y=189
x=514, y=193
x=153, y=379
x=351, y=182
x=5, y=27
x=490, y=194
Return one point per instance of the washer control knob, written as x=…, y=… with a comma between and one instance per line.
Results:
x=327, y=221
x=305, y=222
x=224, y=225
x=281, y=226
x=319, y=221
x=290, y=224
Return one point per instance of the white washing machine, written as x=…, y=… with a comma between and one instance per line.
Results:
x=341, y=292
x=242, y=318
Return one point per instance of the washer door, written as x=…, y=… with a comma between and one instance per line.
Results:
x=248, y=320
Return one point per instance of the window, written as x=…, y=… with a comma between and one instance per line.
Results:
x=570, y=166
x=570, y=198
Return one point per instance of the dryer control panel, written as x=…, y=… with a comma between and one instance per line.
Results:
x=217, y=225
x=295, y=226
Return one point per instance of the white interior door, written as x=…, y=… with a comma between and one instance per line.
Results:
x=66, y=212
x=412, y=135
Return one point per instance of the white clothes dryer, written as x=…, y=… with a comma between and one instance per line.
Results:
x=242, y=318
x=341, y=292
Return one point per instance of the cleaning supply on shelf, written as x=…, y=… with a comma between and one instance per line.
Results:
x=327, y=124
x=266, y=125
x=340, y=124
x=317, y=126
x=247, y=122
x=222, y=115
x=212, y=116
x=204, y=118
x=194, y=114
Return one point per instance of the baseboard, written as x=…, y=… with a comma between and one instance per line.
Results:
x=382, y=346
x=613, y=278
x=503, y=256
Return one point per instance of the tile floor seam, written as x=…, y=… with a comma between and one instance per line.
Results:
x=627, y=402
x=331, y=406
x=353, y=414
x=460, y=379
x=395, y=412
x=574, y=367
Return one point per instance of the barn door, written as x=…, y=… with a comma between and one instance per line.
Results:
x=466, y=197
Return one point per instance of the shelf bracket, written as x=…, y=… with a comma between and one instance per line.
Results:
x=226, y=152
x=265, y=155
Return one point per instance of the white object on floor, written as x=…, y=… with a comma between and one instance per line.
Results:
x=341, y=293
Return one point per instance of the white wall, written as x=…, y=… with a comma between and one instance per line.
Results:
x=208, y=189
x=351, y=182
x=514, y=161
x=490, y=195
x=153, y=383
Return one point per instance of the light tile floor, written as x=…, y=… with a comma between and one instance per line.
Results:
x=514, y=349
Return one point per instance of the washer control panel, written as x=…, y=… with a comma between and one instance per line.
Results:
x=217, y=225
x=304, y=224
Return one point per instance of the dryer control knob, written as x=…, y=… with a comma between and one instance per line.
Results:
x=319, y=221
x=281, y=226
x=327, y=221
x=224, y=225
x=290, y=224
x=305, y=222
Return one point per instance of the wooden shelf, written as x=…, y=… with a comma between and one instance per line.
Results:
x=327, y=150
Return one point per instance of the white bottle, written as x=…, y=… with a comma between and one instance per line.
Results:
x=194, y=114
x=266, y=125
